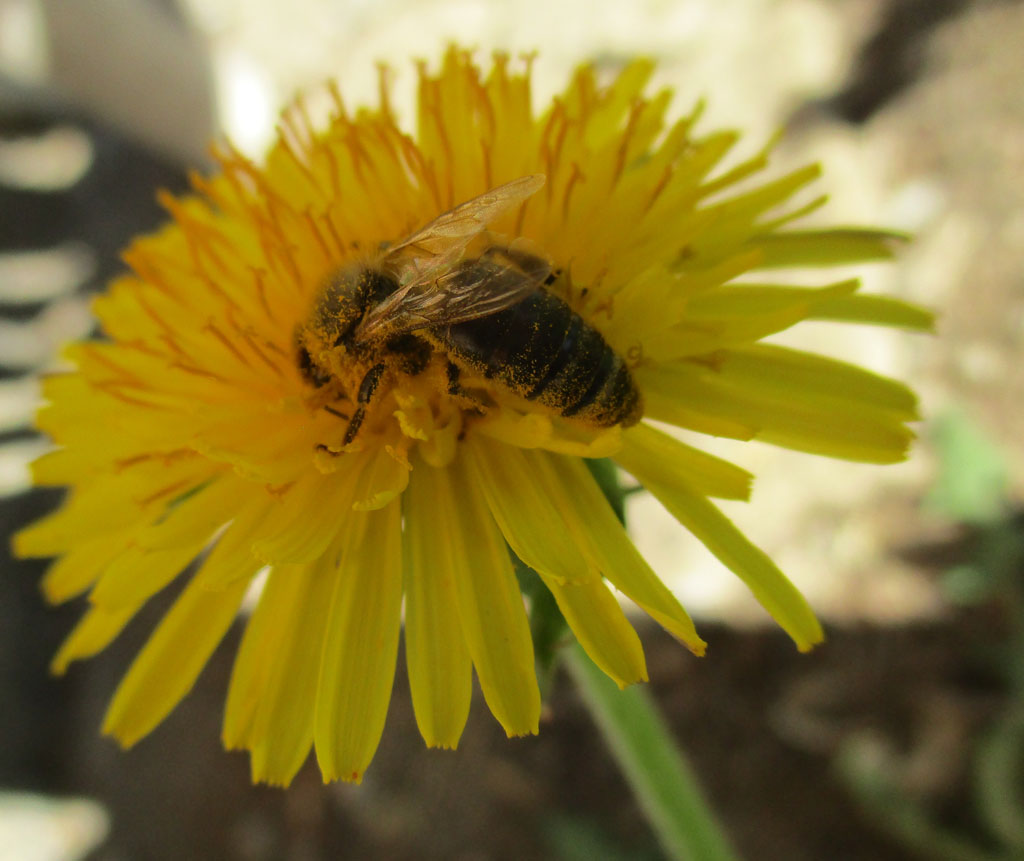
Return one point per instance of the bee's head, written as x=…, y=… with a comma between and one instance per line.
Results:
x=325, y=342
x=336, y=311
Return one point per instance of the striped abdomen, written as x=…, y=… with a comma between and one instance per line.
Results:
x=544, y=351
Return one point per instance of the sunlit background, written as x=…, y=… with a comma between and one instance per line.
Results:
x=902, y=737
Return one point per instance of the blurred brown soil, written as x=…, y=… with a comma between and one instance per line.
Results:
x=761, y=723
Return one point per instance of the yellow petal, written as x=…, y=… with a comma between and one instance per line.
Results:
x=601, y=627
x=93, y=633
x=785, y=372
x=676, y=201
x=358, y=664
x=260, y=444
x=383, y=477
x=86, y=512
x=526, y=515
x=663, y=402
x=827, y=247
x=79, y=568
x=647, y=305
x=734, y=218
x=232, y=557
x=769, y=585
x=62, y=466
x=732, y=302
x=621, y=94
x=588, y=516
x=172, y=659
x=876, y=311
x=490, y=606
x=439, y=664
x=110, y=504
x=534, y=430
x=249, y=677
x=137, y=574
x=300, y=527
x=195, y=517
x=791, y=399
x=739, y=314
x=528, y=430
x=670, y=458
x=297, y=599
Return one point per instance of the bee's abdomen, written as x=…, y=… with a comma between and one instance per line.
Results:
x=541, y=349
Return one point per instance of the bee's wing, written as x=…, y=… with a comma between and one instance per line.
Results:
x=429, y=251
x=477, y=288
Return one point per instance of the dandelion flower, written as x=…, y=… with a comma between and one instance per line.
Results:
x=196, y=436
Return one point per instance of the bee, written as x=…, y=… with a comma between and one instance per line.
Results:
x=486, y=314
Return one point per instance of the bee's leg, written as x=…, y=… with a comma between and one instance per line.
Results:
x=353, y=426
x=366, y=389
x=336, y=412
x=456, y=390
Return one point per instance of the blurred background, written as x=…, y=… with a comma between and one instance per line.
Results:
x=902, y=737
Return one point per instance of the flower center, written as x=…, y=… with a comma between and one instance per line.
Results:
x=405, y=394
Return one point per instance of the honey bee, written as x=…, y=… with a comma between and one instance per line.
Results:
x=487, y=314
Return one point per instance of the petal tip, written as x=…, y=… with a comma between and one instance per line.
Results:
x=124, y=739
x=698, y=648
x=437, y=744
x=516, y=733
x=641, y=679
x=809, y=646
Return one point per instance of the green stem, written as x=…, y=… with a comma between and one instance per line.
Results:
x=663, y=782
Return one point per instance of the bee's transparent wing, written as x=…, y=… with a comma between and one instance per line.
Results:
x=475, y=288
x=432, y=249
x=421, y=262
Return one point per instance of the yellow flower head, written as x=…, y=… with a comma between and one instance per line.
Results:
x=374, y=364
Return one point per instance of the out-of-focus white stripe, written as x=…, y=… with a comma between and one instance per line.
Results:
x=14, y=460
x=41, y=276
